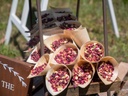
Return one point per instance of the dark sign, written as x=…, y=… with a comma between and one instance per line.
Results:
x=13, y=77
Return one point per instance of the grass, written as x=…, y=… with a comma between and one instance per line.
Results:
x=9, y=51
x=90, y=16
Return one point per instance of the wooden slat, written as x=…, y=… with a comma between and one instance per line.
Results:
x=100, y=87
x=95, y=87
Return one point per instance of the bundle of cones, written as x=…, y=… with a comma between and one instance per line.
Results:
x=71, y=57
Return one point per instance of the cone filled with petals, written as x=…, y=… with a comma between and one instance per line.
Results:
x=67, y=54
x=57, y=79
x=55, y=41
x=107, y=69
x=92, y=51
x=82, y=74
x=41, y=67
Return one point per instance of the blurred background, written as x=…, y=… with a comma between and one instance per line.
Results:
x=90, y=16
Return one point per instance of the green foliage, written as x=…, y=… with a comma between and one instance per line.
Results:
x=125, y=1
x=9, y=51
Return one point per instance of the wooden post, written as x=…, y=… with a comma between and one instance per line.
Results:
x=40, y=26
x=41, y=39
x=105, y=26
x=77, y=9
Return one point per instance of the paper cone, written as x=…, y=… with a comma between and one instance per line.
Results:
x=60, y=49
x=43, y=60
x=30, y=60
x=37, y=50
x=115, y=72
x=83, y=50
x=49, y=73
x=80, y=36
x=48, y=42
x=80, y=64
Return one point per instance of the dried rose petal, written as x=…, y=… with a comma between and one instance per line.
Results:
x=56, y=44
x=59, y=79
x=45, y=15
x=47, y=20
x=106, y=70
x=35, y=56
x=38, y=69
x=33, y=41
x=66, y=56
x=46, y=50
x=65, y=25
x=93, y=52
x=82, y=74
x=65, y=18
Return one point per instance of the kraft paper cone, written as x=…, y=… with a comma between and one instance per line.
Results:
x=83, y=49
x=38, y=50
x=49, y=73
x=60, y=49
x=115, y=72
x=80, y=36
x=84, y=63
x=48, y=42
x=43, y=60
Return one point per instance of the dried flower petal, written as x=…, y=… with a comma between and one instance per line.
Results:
x=59, y=79
x=45, y=15
x=35, y=56
x=33, y=41
x=46, y=50
x=56, y=44
x=38, y=69
x=106, y=70
x=66, y=56
x=65, y=18
x=47, y=20
x=65, y=25
x=93, y=52
x=82, y=74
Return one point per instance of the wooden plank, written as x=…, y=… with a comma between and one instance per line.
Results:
x=94, y=87
x=123, y=69
x=98, y=87
x=13, y=77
